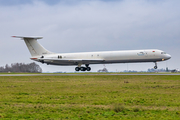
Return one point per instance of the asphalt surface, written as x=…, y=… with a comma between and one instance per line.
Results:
x=79, y=74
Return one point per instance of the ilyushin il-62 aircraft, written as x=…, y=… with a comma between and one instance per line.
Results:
x=40, y=54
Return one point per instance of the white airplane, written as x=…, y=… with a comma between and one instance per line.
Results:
x=40, y=54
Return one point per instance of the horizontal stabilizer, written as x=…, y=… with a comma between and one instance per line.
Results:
x=27, y=37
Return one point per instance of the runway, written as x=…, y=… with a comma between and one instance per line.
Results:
x=83, y=74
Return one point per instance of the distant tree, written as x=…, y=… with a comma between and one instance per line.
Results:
x=7, y=67
x=1, y=69
x=21, y=67
x=34, y=67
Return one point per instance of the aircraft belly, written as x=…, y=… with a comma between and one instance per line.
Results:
x=71, y=62
x=66, y=63
x=61, y=63
x=132, y=60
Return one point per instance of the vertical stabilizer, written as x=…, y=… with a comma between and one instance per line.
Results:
x=34, y=47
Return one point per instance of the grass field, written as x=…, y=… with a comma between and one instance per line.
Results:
x=90, y=97
x=95, y=73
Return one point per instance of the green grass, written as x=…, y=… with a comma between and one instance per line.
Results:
x=99, y=73
x=90, y=97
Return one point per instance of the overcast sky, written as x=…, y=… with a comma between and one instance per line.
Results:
x=91, y=25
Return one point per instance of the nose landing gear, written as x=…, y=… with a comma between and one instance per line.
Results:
x=155, y=67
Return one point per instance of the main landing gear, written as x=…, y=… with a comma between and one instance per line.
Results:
x=83, y=68
x=155, y=67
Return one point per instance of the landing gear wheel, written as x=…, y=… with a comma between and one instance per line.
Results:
x=83, y=69
x=88, y=69
x=155, y=67
x=77, y=68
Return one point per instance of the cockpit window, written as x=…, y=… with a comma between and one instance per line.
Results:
x=163, y=52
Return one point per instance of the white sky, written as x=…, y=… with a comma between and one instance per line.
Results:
x=91, y=25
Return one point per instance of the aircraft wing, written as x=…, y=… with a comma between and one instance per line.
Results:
x=73, y=61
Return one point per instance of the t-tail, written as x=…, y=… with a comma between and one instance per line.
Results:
x=34, y=47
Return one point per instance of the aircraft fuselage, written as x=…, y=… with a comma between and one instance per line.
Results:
x=105, y=57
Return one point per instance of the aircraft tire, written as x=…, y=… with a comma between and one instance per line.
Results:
x=155, y=67
x=88, y=69
x=83, y=69
x=77, y=68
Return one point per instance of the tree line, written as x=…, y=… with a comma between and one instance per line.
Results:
x=21, y=67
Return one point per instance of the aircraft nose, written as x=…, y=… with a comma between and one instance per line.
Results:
x=168, y=56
